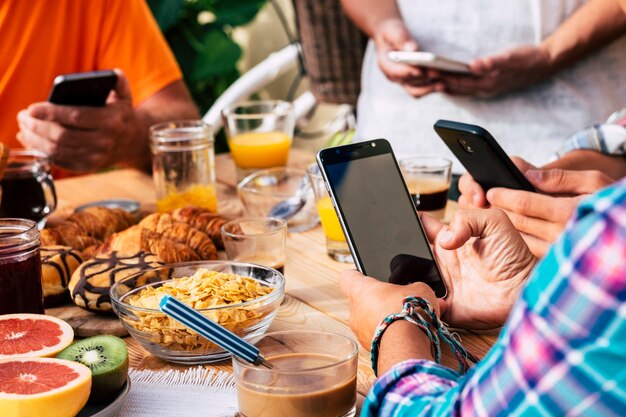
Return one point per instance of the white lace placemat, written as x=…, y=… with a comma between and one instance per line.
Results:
x=196, y=392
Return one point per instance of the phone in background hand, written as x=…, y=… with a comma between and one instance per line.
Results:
x=429, y=60
x=378, y=215
x=481, y=155
x=83, y=88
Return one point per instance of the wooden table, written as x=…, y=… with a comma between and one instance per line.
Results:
x=313, y=299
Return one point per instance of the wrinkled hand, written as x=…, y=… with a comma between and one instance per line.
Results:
x=82, y=138
x=497, y=74
x=393, y=35
x=541, y=218
x=473, y=195
x=484, y=262
x=372, y=300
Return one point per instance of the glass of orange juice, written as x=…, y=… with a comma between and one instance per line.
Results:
x=259, y=134
x=336, y=245
x=183, y=165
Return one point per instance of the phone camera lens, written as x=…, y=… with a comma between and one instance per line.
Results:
x=466, y=146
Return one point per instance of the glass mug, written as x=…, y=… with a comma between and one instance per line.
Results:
x=27, y=187
x=183, y=165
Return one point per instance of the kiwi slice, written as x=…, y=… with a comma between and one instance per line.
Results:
x=107, y=357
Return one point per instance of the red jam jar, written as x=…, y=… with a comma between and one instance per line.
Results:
x=20, y=267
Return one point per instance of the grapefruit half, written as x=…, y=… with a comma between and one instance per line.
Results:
x=33, y=335
x=43, y=387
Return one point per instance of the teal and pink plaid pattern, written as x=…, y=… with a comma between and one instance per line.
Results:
x=563, y=349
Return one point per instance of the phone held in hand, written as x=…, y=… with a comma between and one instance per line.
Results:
x=377, y=214
x=429, y=60
x=83, y=88
x=481, y=155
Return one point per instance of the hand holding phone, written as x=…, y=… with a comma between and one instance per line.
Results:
x=429, y=60
x=83, y=88
x=378, y=215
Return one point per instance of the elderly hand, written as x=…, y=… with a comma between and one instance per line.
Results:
x=497, y=74
x=473, y=195
x=372, y=300
x=541, y=218
x=81, y=138
x=484, y=262
x=393, y=35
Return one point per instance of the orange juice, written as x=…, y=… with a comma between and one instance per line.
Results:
x=197, y=195
x=260, y=149
x=330, y=221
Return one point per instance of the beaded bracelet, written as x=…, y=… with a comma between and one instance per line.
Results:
x=434, y=329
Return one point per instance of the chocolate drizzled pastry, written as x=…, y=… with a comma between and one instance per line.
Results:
x=91, y=282
x=58, y=263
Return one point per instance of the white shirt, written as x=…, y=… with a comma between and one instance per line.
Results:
x=532, y=122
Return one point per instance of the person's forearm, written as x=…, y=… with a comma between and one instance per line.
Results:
x=368, y=14
x=591, y=27
x=582, y=159
x=400, y=342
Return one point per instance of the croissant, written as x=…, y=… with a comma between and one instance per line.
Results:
x=182, y=233
x=67, y=234
x=87, y=228
x=203, y=220
x=137, y=238
x=100, y=222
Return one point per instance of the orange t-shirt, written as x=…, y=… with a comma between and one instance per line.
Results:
x=40, y=39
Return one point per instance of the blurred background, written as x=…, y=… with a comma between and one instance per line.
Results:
x=216, y=41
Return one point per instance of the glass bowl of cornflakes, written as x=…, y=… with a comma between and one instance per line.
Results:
x=242, y=297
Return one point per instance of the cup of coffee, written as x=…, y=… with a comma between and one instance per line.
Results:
x=313, y=375
x=257, y=240
x=428, y=181
x=27, y=187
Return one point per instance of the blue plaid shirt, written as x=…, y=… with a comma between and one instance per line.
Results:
x=563, y=349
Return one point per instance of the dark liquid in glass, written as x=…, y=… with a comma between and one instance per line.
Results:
x=430, y=201
x=23, y=197
x=20, y=284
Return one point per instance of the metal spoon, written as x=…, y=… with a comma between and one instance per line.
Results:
x=289, y=207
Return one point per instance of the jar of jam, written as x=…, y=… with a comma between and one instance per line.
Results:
x=20, y=267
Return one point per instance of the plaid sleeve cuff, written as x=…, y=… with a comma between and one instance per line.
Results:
x=409, y=388
x=609, y=139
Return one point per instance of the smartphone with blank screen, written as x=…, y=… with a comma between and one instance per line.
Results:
x=378, y=215
x=481, y=155
x=83, y=88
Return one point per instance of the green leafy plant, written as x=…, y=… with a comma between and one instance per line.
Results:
x=199, y=33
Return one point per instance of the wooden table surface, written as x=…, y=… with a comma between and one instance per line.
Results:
x=312, y=301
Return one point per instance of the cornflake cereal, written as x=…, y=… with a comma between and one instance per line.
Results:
x=202, y=290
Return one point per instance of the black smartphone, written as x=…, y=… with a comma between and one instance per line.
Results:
x=481, y=155
x=378, y=215
x=83, y=88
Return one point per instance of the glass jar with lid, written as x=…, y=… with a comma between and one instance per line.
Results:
x=20, y=267
x=183, y=165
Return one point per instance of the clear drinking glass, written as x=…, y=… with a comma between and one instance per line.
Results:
x=183, y=165
x=27, y=187
x=314, y=375
x=336, y=245
x=428, y=181
x=259, y=134
x=259, y=240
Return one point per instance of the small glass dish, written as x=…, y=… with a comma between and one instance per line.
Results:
x=171, y=340
x=280, y=192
